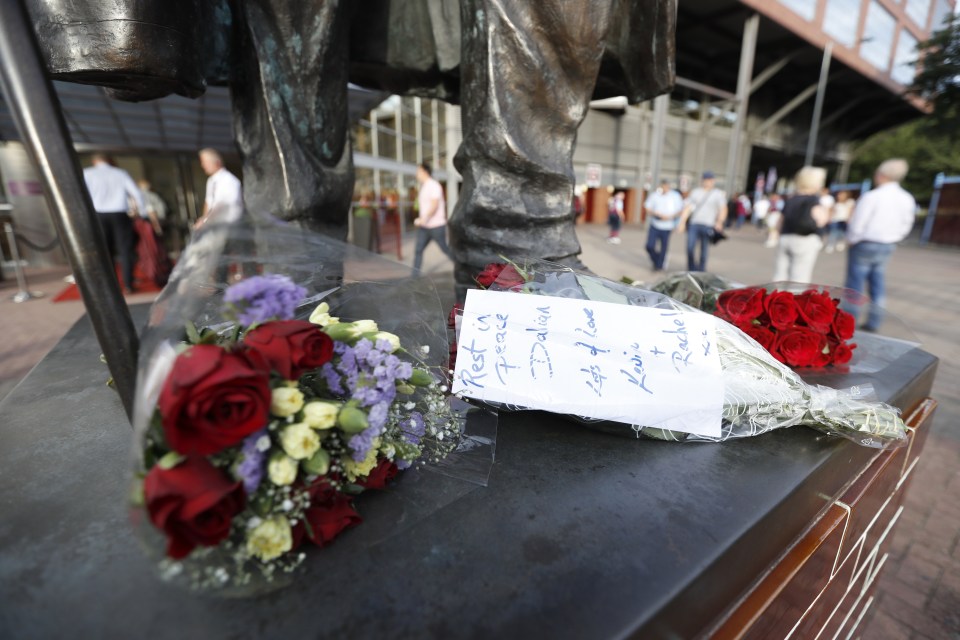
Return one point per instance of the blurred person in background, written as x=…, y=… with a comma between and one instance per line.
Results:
x=704, y=213
x=111, y=190
x=664, y=207
x=839, y=215
x=882, y=217
x=800, y=224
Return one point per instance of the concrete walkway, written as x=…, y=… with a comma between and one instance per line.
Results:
x=919, y=590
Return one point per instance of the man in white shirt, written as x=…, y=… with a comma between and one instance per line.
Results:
x=432, y=215
x=883, y=217
x=110, y=190
x=223, y=202
x=223, y=205
x=664, y=206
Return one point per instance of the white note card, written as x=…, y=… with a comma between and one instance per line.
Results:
x=637, y=365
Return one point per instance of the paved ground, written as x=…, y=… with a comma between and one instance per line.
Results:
x=919, y=592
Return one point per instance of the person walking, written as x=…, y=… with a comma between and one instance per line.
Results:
x=223, y=205
x=110, y=190
x=883, y=217
x=223, y=201
x=615, y=216
x=431, y=220
x=664, y=206
x=803, y=217
x=703, y=216
x=837, y=229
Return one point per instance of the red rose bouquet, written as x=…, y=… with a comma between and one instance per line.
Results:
x=799, y=330
x=260, y=423
x=759, y=391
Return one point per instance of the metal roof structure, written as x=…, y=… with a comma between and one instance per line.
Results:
x=169, y=124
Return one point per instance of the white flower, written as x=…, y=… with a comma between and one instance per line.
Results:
x=365, y=326
x=271, y=539
x=320, y=414
x=321, y=315
x=389, y=337
x=285, y=401
x=282, y=469
x=299, y=441
x=263, y=443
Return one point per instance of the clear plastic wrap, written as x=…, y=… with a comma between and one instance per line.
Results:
x=759, y=393
x=282, y=374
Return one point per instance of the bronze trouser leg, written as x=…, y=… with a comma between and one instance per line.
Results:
x=289, y=92
x=528, y=71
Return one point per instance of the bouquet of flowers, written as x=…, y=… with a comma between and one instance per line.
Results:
x=759, y=393
x=257, y=428
x=799, y=330
x=803, y=326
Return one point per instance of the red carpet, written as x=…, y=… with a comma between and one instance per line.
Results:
x=142, y=285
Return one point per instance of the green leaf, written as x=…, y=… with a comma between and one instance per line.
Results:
x=193, y=336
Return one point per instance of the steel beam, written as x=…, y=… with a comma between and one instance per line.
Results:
x=818, y=104
x=747, y=51
x=36, y=111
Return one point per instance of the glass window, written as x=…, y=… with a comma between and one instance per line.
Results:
x=941, y=12
x=918, y=10
x=878, y=37
x=803, y=8
x=841, y=19
x=903, y=69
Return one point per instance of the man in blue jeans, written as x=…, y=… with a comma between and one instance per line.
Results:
x=663, y=206
x=883, y=217
x=703, y=215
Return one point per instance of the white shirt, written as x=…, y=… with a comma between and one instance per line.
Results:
x=431, y=191
x=224, y=198
x=110, y=189
x=884, y=214
x=664, y=203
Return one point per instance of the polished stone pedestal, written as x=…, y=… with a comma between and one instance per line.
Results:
x=578, y=535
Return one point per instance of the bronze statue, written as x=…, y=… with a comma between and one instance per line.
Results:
x=524, y=73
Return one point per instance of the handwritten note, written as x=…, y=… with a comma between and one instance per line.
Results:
x=638, y=365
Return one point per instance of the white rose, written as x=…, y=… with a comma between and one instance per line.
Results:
x=321, y=415
x=285, y=401
x=270, y=539
x=282, y=469
x=299, y=441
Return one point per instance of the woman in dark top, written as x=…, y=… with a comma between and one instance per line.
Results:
x=800, y=225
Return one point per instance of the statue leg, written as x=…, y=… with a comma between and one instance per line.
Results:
x=289, y=90
x=527, y=74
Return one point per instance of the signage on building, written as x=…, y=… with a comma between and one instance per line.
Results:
x=594, y=175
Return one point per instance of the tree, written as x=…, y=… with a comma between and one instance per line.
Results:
x=919, y=143
x=938, y=76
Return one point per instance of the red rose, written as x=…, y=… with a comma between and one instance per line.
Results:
x=781, y=307
x=384, y=472
x=800, y=347
x=326, y=520
x=505, y=276
x=841, y=352
x=192, y=503
x=762, y=335
x=214, y=398
x=844, y=325
x=741, y=305
x=291, y=347
x=817, y=310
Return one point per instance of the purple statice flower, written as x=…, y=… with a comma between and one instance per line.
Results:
x=402, y=464
x=413, y=427
x=362, y=442
x=333, y=378
x=377, y=417
x=250, y=468
x=263, y=298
